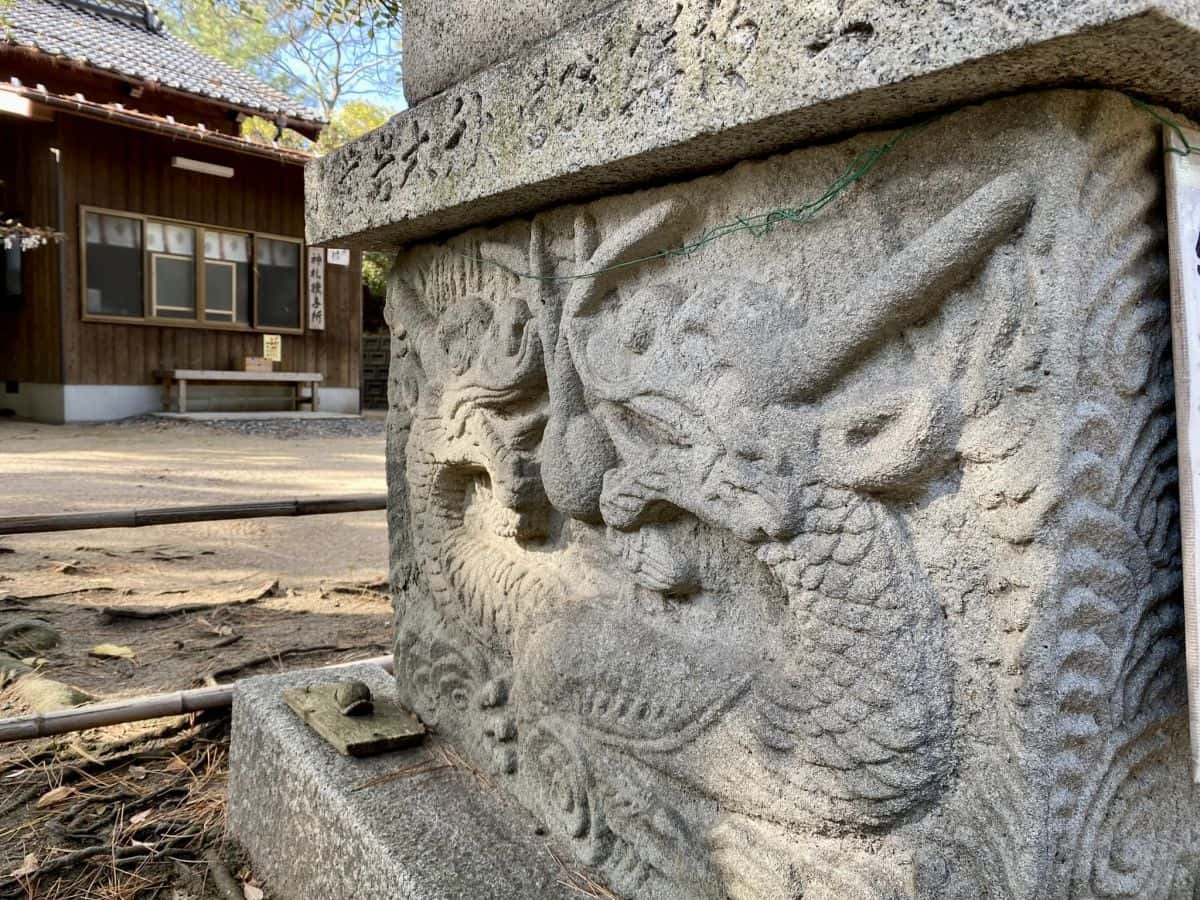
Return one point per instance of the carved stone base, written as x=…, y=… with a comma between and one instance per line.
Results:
x=838, y=561
x=321, y=826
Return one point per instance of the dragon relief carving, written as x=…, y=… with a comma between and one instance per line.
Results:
x=667, y=582
x=574, y=453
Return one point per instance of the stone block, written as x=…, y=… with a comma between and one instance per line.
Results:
x=647, y=90
x=318, y=824
x=835, y=560
x=450, y=40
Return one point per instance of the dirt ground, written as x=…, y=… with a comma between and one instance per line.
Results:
x=141, y=805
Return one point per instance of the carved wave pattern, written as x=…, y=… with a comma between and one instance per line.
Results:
x=611, y=821
x=1112, y=623
x=438, y=673
x=451, y=684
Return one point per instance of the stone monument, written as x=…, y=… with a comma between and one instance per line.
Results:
x=837, y=559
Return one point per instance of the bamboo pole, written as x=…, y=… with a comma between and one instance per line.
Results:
x=136, y=709
x=174, y=515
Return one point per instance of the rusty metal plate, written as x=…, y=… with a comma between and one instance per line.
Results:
x=389, y=727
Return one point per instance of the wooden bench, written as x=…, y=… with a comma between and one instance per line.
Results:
x=183, y=376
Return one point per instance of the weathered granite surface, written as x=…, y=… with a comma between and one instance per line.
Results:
x=841, y=562
x=654, y=89
x=318, y=825
x=449, y=40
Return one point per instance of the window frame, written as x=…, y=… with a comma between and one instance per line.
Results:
x=301, y=280
x=155, y=306
x=232, y=312
x=200, y=321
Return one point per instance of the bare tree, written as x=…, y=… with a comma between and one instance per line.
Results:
x=331, y=60
x=322, y=52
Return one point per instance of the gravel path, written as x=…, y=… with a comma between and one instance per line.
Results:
x=137, y=464
x=289, y=429
x=180, y=605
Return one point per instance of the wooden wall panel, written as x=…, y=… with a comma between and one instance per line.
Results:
x=114, y=168
x=31, y=329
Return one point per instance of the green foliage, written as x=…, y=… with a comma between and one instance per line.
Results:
x=349, y=121
x=245, y=40
x=374, y=272
x=374, y=15
x=352, y=119
x=323, y=53
x=264, y=132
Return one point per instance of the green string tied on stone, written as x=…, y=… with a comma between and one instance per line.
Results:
x=762, y=224
x=1188, y=148
x=758, y=226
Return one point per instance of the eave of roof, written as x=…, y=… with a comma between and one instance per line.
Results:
x=132, y=118
x=307, y=128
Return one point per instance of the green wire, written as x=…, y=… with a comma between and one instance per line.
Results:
x=759, y=225
x=762, y=224
x=1188, y=148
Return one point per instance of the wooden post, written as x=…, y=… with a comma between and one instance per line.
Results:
x=183, y=395
x=316, y=403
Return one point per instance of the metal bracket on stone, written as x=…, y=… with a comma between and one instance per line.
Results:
x=353, y=722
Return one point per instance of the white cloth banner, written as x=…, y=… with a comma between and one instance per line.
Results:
x=316, y=289
x=1183, y=228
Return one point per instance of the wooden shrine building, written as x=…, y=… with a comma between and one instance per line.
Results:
x=141, y=235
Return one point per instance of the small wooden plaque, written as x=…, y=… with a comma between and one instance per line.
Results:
x=389, y=727
x=257, y=364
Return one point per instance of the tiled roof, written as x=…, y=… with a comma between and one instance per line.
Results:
x=126, y=37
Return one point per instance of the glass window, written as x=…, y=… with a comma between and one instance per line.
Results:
x=113, y=248
x=172, y=253
x=226, y=277
x=155, y=269
x=278, y=264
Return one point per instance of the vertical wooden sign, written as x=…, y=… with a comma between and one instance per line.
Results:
x=273, y=347
x=1183, y=229
x=316, y=289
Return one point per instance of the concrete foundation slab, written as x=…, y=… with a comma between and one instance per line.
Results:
x=30, y=400
x=63, y=403
x=317, y=824
x=264, y=415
